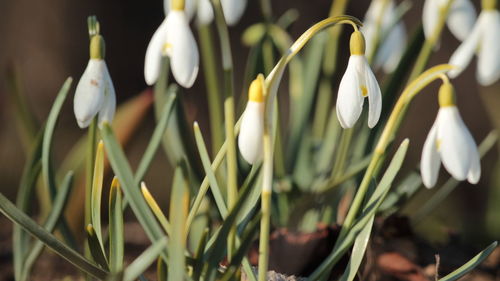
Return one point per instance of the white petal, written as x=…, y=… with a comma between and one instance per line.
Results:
x=374, y=96
x=488, y=68
x=461, y=18
x=107, y=112
x=154, y=53
x=205, y=12
x=166, y=7
x=349, y=98
x=89, y=92
x=455, y=142
x=251, y=132
x=233, y=10
x=184, y=51
x=463, y=55
x=475, y=164
x=430, y=16
x=430, y=162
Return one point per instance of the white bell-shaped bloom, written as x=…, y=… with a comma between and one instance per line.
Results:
x=233, y=10
x=94, y=95
x=450, y=142
x=174, y=39
x=252, y=124
x=202, y=8
x=484, y=41
x=392, y=46
x=357, y=83
x=460, y=20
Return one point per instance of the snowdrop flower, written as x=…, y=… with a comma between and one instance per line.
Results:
x=460, y=20
x=202, y=9
x=233, y=10
x=95, y=94
x=357, y=83
x=392, y=48
x=449, y=141
x=252, y=124
x=484, y=41
x=174, y=39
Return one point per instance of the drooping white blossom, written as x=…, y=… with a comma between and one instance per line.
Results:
x=251, y=134
x=449, y=142
x=460, y=20
x=233, y=10
x=381, y=19
x=484, y=41
x=358, y=83
x=95, y=93
x=173, y=39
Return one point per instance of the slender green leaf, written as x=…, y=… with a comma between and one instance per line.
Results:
x=28, y=181
x=369, y=211
x=470, y=265
x=156, y=138
x=47, y=168
x=95, y=247
x=217, y=249
x=198, y=266
x=124, y=174
x=243, y=247
x=205, y=184
x=205, y=159
x=358, y=251
x=142, y=262
x=17, y=216
x=179, y=204
x=96, y=196
x=161, y=270
x=54, y=216
x=116, y=231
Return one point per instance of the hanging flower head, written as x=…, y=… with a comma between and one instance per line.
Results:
x=381, y=18
x=233, y=10
x=95, y=94
x=358, y=83
x=460, y=20
x=450, y=142
x=252, y=123
x=483, y=41
x=174, y=39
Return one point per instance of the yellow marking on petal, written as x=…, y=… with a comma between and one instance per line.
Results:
x=364, y=91
x=166, y=47
x=438, y=144
x=256, y=91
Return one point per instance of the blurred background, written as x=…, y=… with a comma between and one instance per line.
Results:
x=47, y=41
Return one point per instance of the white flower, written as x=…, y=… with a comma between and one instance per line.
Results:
x=460, y=21
x=94, y=95
x=449, y=141
x=357, y=83
x=174, y=39
x=392, y=47
x=233, y=10
x=252, y=125
x=483, y=40
x=202, y=9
